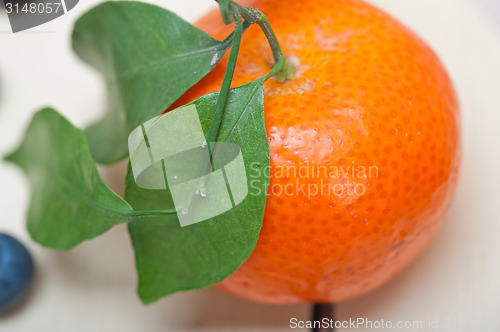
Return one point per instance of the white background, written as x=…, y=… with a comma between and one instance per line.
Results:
x=92, y=288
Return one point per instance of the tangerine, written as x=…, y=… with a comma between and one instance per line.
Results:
x=365, y=149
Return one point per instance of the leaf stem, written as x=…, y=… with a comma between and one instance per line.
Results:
x=215, y=124
x=226, y=83
x=271, y=37
x=229, y=39
x=153, y=213
x=253, y=15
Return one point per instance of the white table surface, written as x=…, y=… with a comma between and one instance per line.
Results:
x=92, y=288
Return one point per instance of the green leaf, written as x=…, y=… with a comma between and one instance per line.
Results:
x=69, y=202
x=225, y=11
x=149, y=57
x=170, y=258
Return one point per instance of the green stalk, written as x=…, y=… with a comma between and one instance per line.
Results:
x=271, y=38
x=253, y=15
x=229, y=39
x=226, y=83
x=215, y=124
x=153, y=213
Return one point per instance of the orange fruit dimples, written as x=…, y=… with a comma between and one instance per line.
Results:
x=365, y=149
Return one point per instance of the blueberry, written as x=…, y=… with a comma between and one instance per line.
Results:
x=16, y=271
